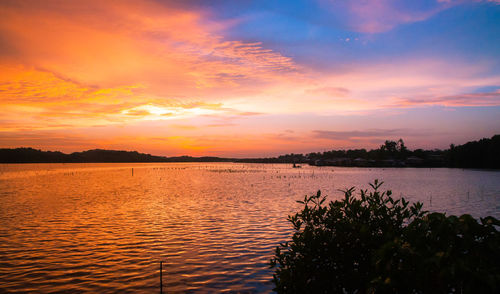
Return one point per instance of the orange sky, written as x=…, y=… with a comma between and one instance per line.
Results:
x=171, y=79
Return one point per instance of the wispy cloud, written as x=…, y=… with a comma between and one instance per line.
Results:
x=376, y=16
x=40, y=99
x=460, y=100
x=369, y=133
x=93, y=62
x=331, y=92
x=163, y=46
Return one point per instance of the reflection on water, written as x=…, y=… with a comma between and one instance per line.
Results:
x=105, y=227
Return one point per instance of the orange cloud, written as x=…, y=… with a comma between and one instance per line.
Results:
x=99, y=62
x=115, y=43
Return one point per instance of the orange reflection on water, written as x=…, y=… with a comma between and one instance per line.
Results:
x=105, y=227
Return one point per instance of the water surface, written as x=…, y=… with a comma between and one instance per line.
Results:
x=105, y=227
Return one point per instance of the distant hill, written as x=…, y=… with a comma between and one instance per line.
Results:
x=25, y=155
x=30, y=155
x=99, y=155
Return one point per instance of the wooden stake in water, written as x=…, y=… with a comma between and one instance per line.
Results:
x=161, y=279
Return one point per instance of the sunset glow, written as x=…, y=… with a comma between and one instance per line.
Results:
x=246, y=79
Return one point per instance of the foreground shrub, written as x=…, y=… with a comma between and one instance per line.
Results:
x=375, y=244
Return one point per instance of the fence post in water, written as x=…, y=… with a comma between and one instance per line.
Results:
x=161, y=279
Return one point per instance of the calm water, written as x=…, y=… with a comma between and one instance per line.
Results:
x=105, y=227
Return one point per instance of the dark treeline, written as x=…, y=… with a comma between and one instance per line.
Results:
x=30, y=155
x=484, y=153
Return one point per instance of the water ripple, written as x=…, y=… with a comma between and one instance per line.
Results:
x=98, y=228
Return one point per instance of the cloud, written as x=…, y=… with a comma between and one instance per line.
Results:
x=401, y=82
x=89, y=63
x=378, y=16
x=253, y=55
x=249, y=113
x=467, y=1
x=329, y=91
x=46, y=140
x=364, y=134
x=166, y=47
x=199, y=104
x=138, y=112
x=40, y=99
x=460, y=100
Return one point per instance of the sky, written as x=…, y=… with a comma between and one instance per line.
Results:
x=247, y=78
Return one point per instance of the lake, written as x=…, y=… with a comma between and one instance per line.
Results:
x=104, y=228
